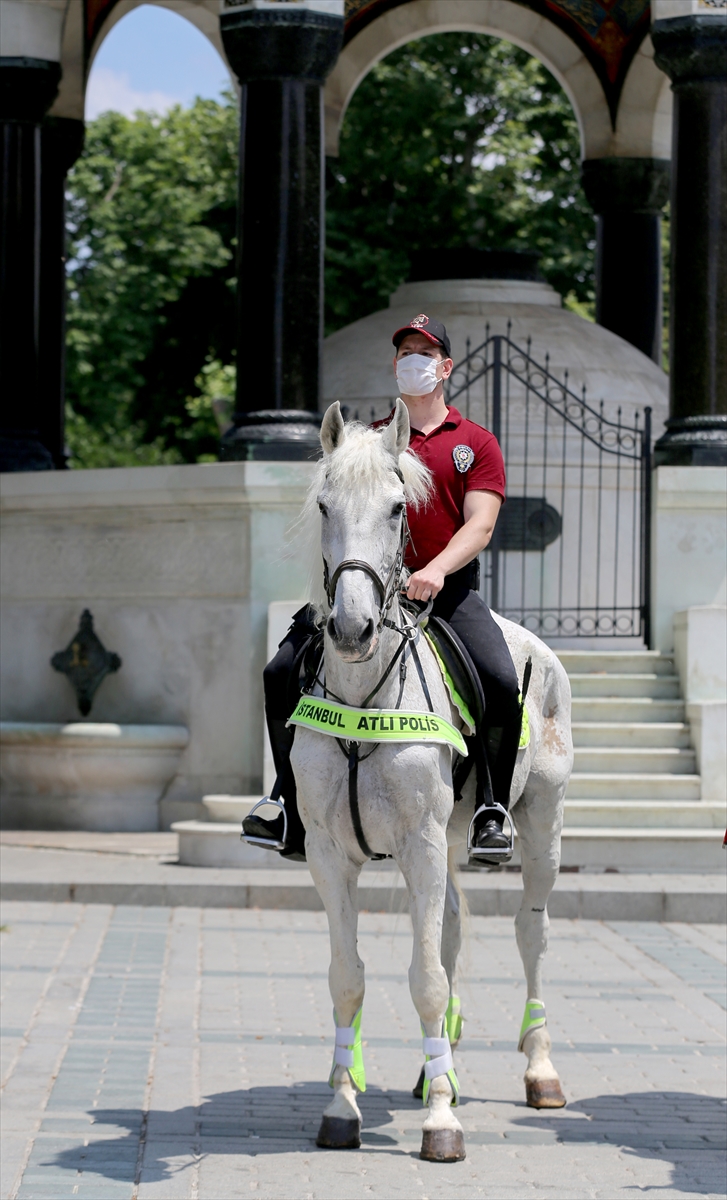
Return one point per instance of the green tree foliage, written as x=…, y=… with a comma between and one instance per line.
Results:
x=454, y=140
x=151, y=211
x=457, y=139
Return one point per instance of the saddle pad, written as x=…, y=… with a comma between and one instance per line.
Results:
x=460, y=672
x=459, y=703
x=375, y=724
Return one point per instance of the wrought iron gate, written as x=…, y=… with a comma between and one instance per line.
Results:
x=570, y=553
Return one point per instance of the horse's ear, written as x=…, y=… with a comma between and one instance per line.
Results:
x=396, y=434
x=333, y=429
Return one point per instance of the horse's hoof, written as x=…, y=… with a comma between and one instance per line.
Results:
x=339, y=1133
x=442, y=1145
x=544, y=1093
x=418, y=1089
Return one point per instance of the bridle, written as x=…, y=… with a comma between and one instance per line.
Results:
x=387, y=588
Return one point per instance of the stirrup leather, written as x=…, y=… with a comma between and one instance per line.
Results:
x=491, y=854
x=269, y=843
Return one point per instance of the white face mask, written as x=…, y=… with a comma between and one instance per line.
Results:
x=416, y=374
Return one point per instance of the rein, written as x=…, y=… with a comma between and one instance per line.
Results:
x=409, y=634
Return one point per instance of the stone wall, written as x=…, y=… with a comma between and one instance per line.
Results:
x=178, y=566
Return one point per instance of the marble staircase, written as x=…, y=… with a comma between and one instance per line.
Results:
x=634, y=798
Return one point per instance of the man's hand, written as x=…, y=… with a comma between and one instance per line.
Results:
x=426, y=584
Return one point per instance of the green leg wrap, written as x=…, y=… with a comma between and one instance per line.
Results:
x=534, y=1019
x=438, y=1052
x=453, y=1020
x=348, y=1052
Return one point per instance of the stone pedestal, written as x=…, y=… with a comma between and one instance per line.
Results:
x=86, y=775
x=27, y=89
x=700, y=651
x=692, y=50
x=689, y=545
x=281, y=55
x=627, y=196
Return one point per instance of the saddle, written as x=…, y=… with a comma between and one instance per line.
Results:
x=460, y=673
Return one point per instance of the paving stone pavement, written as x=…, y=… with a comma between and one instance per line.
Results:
x=183, y=1052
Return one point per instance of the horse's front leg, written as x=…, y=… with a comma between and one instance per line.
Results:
x=336, y=878
x=451, y=945
x=538, y=819
x=424, y=866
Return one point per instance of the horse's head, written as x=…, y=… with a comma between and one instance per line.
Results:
x=362, y=493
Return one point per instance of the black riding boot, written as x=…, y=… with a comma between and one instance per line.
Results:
x=281, y=683
x=501, y=747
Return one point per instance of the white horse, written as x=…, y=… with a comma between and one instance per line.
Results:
x=405, y=796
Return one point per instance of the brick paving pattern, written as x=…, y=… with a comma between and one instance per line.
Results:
x=164, y=1053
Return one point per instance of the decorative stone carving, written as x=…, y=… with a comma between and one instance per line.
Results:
x=86, y=662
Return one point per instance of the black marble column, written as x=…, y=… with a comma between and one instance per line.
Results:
x=61, y=142
x=281, y=59
x=627, y=196
x=27, y=89
x=692, y=50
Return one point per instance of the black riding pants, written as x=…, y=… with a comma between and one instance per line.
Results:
x=472, y=620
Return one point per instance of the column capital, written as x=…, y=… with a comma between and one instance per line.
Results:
x=693, y=48
x=281, y=43
x=64, y=138
x=28, y=87
x=634, y=185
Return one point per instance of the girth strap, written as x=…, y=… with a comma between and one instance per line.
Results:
x=353, y=761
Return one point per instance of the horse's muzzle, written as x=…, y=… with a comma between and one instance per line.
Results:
x=352, y=641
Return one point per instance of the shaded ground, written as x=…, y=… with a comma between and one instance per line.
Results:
x=153, y=1052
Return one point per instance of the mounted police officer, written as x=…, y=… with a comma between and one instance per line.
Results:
x=447, y=536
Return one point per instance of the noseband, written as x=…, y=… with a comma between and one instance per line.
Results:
x=386, y=589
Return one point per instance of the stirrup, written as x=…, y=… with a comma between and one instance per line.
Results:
x=492, y=855
x=268, y=843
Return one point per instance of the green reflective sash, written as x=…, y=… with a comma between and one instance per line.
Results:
x=375, y=724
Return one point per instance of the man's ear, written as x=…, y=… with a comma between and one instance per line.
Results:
x=396, y=434
x=333, y=430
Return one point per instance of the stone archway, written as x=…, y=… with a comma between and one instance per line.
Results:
x=643, y=115
x=85, y=30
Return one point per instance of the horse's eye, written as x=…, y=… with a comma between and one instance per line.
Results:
x=323, y=509
x=397, y=510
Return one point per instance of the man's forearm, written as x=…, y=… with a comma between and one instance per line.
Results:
x=463, y=547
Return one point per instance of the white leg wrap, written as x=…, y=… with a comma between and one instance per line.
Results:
x=439, y=1052
x=345, y=1037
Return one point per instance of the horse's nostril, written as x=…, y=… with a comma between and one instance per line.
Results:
x=331, y=627
x=368, y=632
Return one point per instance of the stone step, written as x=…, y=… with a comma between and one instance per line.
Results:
x=649, y=734
x=659, y=760
x=592, y=785
x=636, y=685
x=616, y=662
x=231, y=808
x=645, y=814
x=217, y=844
x=642, y=849
x=627, y=709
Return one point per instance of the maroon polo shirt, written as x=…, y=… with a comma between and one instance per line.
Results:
x=463, y=457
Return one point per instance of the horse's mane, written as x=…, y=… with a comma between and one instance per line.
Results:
x=360, y=463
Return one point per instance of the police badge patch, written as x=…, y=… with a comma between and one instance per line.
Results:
x=463, y=457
